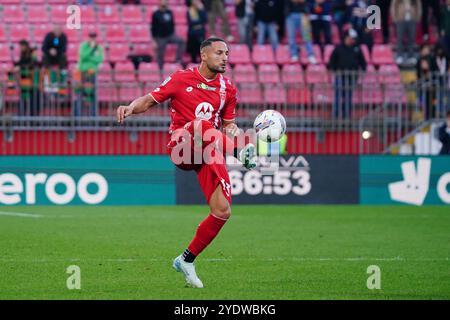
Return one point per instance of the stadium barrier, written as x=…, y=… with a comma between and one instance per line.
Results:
x=72, y=120
x=154, y=180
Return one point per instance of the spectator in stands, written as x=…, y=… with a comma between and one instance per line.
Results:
x=341, y=15
x=406, y=14
x=244, y=12
x=358, y=18
x=440, y=67
x=216, y=8
x=297, y=20
x=346, y=60
x=444, y=135
x=445, y=32
x=385, y=6
x=321, y=21
x=54, y=49
x=425, y=85
x=28, y=75
x=197, y=20
x=266, y=17
x=163, y=31
x=435, y=6
x=90, y=58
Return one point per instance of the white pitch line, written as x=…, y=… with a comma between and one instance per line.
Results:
x=20, y=214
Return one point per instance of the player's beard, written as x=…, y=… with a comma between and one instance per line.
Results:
x=216, y=69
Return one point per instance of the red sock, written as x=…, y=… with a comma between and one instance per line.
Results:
x=206, y=232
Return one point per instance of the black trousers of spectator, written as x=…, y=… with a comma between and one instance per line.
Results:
x=344, y=84
x=193, y=44
x=385, y=8
x=59, y=60
x=319, y=27
x=435, y=6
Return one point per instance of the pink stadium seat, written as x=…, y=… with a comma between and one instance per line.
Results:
x=128, y=91
x=269, y=73
x=132, y=14
x=245, y=73
x=368, y=94
x=56, y=2
x=73, y=35
x=149, y=72
x=181, y=30
x=304, y=55
x=389, y=74
x=5, y=54
x=171, y=52
x=239, y=53
x=39, y=32
x=88, y=15
x=108, y=14
x=298, y=93
x=250, y=93
x=370, y=76
x=18, y=32
x=322, y=94
x=141, y=48
x=382, y=54
x=292, y=73
x=316, y=74
x=115, y=33
x=104, y=73
x=107, y=93
x=395, y=93
x=58, y=14
x=179, y=14
x=37, y=14
x=262, y=53
x=274, y=93
x=2, y=34
x=72, y=52
x=327, y=53
x=88, y=28
x=124, y=72
x=139, y=33
x=13, y=14
x=282, y=55
x=170, y=68
x=116, y=52
x=15, y=2
x=36, y=1
x=366, y=53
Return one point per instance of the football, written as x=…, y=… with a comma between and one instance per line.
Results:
x=270, y=125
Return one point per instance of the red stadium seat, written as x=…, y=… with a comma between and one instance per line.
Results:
x=124, y=72
x=132, y=14
x=35, y=1
x=245, y=73
x=269, y=73
x=116, y=52
x=88, y=28
x=180, y=14
x=141, y=48
x=88, y=15
x=37, y=14
x=58, y=14
x=304, y=55
x=72, y=52
x=322, y=94
x=282, y=55
x=250, y=93
x=316, y=74
x=40, y=31
x=139, y=33
x=5, y=53
x=170, y=68
x=18, y=32
x=181, y=30
x=292, y=73
x=115, y=33
x=56, y=2
x=366, y=53
x=13, y=2
x=327, y=53
x=382, y=54
x=104, y=73
x=368, y=94
x=389, y=74
x=395, y=93
x=128, y=91
x=73, y=35
x=149, y=72
x=239, y=53
x=370, y=76
x=171, y=53
x=262, y=53
x=274, y=93
x=13, y=14
x=108, y=14
x=2, y=35
x=298, y=93
x=107, y=93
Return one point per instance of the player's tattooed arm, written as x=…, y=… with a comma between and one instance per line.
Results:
x=139, y=105
x=230, y=128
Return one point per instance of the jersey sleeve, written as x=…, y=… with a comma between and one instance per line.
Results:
x=166, y=89
x=229, y=111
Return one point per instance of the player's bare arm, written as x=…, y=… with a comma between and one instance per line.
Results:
x=230, y=128
x=139, y=105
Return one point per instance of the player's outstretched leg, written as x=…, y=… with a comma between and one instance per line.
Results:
x=206, y=232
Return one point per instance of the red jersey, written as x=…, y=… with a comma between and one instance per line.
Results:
x=193, y=96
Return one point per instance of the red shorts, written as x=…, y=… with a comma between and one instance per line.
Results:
x=209, y=175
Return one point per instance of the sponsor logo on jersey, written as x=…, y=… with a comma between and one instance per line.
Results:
x=204, y=110
x=205, y=87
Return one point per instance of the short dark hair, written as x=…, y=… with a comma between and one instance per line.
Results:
x=448, y=114
x=208, y=42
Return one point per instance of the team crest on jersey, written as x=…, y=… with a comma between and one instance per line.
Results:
x=205, y=87
x=204, y=110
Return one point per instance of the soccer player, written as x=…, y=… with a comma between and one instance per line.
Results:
x=203, y=101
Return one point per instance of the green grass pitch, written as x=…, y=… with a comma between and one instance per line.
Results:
x=263, y=252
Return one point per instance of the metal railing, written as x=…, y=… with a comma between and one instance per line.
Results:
x=326, y=113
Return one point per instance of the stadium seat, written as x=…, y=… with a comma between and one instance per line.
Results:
x=124, y=72
x=274, y=93
x=250, y=93
x=115, y=33
x=322, y=94
x=262, y=53
x=282, y=54
x=18, y=32
x=108, y=14
x=3, y=37
x=107, y=93
x=171, y=53
x=132, y=15
x=181, y=30
x=58, y=14
x=389, y=74
x=139, y=33
x=88, y=15
x=128, y=91
x=269, y=73
x=382, y=54
x=368, y=94
x=292, y=73
x=149, y=72
x=328, y=50
x=104, y=73
x=180, y=14
x=370, y=76
x=56, y=2
x=239, y=53
x=88, y=28
x=5, y=53
x=316, y=74
x=170, y=68
x=13, y=14
x=304, y=55
x=35, y=1
x=40, y=31
x=116, y=52
x=245, y=73
x=141, y=49
x=298, y=93
x=366, y=53
x=37, y=14
x=394, y=93
x=72, y=52
x=13, y=2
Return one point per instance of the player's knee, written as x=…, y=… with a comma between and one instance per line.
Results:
x=222, y=211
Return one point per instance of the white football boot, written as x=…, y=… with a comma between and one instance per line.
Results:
x=248, y=156
x=188, y=269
